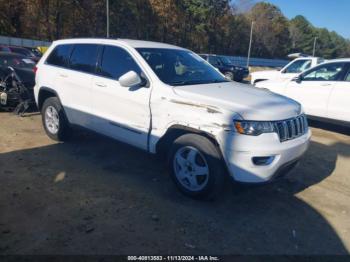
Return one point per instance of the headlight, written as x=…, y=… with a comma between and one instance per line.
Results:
x=253, y=128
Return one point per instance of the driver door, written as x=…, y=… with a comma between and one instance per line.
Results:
x=314, y=88
x=120, y=112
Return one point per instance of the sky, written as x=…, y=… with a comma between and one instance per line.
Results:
x=331, y=14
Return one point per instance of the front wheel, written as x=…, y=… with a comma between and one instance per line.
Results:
x=229, y=76
x=196, y=166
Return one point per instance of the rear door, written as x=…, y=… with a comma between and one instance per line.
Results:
x=339, y=102
x=56, y=66
x=76, y=83
x=313, y=92
x=120, y=112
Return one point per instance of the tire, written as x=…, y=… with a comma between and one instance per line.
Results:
x=186, y=173
x=238, y=79
x=57, y=126
x=229, y=75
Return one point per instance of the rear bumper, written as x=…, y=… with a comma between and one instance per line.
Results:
x=242, y=149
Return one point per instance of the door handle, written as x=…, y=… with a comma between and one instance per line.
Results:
x=326, y=84
x=101, y=84
x=63, y=75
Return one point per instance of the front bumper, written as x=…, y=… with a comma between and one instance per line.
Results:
x=241, y=73
x=240, y=150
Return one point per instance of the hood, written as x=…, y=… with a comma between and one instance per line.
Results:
x=266, y=72
x=250, y=102
x=275, y=83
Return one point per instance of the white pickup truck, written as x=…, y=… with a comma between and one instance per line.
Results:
x=168, y=100
x=291, y=70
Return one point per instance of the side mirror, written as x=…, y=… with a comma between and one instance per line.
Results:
x=297, y=79
x=129, y=79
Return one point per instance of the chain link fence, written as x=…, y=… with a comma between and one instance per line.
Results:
x=6, y=40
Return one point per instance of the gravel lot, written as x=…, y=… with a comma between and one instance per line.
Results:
x=98, y=196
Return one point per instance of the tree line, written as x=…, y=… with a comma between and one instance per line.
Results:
x=206, y=26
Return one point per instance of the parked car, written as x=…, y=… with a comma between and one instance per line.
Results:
x=24, y=51
x=226, y=66
x=324, y=91
x=4, y=48
x=167, y=100
x=291, y=70
x=35, y=51
x=17, y=80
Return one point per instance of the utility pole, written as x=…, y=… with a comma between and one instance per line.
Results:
x=314, y=50
x=250, y=43
x=107, y=17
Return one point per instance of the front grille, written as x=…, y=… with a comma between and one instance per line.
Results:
x=291, y=128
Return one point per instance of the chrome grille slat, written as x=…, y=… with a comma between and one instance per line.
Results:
x=302, y=123
x=285, y=127
x=291, y=128
x=298, y=126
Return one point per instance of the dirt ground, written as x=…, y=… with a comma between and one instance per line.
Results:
x=97, y=196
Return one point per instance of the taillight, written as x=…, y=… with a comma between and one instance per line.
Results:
x=35, y=69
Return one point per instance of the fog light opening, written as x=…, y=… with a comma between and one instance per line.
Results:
x=263, y=160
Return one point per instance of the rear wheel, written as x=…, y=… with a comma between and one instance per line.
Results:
x=54, y=120
x=196, y=166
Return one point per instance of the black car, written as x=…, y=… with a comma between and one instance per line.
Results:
x=225, y=65
x=17, y=79
x=24, y=51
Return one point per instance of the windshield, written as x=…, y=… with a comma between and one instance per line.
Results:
x=16, y=62
x=298, y=66
x=180, y=67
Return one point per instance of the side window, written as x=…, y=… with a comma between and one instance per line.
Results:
x=214, y=60
x=116, y=62
x=84, y=58
x=59, y=56
x=298, y=66
x=347, y=75
x=328, y=72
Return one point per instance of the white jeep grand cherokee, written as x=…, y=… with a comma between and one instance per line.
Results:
x=167, y=100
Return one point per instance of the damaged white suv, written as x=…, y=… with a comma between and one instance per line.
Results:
x=167, y=100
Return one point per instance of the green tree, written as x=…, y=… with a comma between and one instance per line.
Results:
x=302, y=35
x=271, y=34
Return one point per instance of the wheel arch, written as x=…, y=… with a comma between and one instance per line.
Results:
x=174, y=132
x=45, y=93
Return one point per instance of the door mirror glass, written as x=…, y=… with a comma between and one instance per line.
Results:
x=297, y=79
x=130, y=79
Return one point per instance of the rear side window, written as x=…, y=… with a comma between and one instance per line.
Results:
x=59, y=56
x=116, y=62
x=84, y=58
x=347, y=75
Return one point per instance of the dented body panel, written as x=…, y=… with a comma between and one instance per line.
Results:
x=142, y=116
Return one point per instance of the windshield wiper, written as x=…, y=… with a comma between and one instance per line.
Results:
x=196, y=82
x=219, y=81
x=186, y=82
